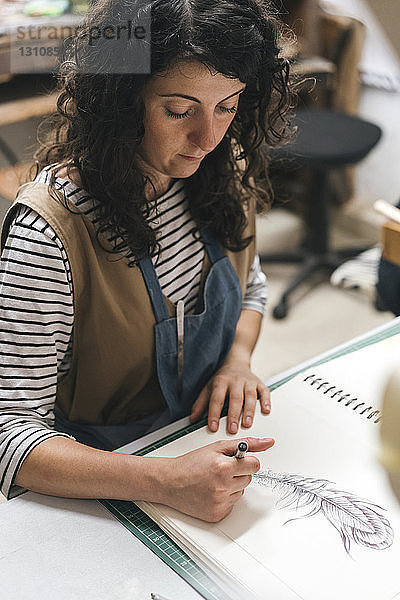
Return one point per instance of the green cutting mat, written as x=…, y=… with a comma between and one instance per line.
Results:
x=150, y=534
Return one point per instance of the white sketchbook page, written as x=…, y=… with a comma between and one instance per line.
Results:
x=319, y=438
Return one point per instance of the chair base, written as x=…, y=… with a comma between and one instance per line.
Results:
x=325, y=141
x=310, y=264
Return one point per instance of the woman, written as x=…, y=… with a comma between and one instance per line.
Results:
x=120, y=308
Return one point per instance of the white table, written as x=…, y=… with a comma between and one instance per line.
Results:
x=55, y=548
x=73, y=549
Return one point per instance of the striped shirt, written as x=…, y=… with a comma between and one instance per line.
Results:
x=37, y=314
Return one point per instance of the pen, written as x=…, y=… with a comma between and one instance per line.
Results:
x=158, y=597
x=242, y=448
x=387, y=210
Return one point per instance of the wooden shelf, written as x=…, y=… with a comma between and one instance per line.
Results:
x=26, y=108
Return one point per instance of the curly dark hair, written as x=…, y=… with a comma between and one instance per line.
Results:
x=99, y=121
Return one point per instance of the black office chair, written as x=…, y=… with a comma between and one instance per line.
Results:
x=325, y=140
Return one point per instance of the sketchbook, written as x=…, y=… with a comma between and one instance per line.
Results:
x=319, y=520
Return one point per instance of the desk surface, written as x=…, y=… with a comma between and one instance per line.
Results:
x=69, y=549
x=73, y=549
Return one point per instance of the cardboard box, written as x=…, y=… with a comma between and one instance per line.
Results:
x=391, y=242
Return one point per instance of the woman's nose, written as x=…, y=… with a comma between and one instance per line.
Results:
x=204, y=136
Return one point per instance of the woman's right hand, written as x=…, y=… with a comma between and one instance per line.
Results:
x=207, y=482
x=204, y=483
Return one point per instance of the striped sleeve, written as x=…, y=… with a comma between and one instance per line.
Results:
x=255, y=297
x=36, y=312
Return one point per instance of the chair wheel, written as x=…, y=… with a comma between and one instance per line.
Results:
x=280, y=311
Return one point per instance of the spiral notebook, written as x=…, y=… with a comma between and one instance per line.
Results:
x=320, y=520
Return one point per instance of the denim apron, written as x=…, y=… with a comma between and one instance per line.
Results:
x=189, y=349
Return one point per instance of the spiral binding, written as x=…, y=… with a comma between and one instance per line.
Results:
x=368, y=411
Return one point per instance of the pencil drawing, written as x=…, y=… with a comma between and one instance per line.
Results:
x=356, y=519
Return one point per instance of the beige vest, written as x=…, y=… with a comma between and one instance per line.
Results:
x=112, y=379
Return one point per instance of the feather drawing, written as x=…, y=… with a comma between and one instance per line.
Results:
x=355, y=519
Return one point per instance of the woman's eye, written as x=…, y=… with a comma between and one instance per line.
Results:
x=228, y=110
x=175, y=115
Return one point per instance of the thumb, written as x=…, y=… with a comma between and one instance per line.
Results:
x=229, y=447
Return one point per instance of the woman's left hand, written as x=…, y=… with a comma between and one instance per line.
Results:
x=235, y=381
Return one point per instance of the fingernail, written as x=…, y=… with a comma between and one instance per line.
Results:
x=233, y=428
x=214, y=425
x=247, y=421
x=268, y=439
